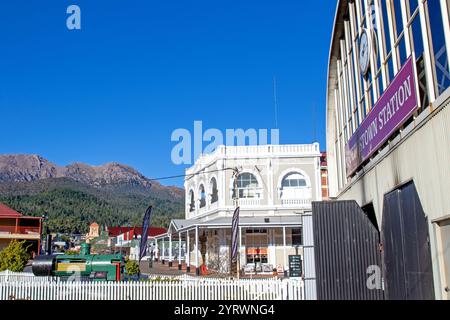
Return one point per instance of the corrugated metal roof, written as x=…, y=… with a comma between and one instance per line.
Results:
x=7, y=212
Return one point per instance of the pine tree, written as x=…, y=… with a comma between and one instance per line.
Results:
x=14, y=257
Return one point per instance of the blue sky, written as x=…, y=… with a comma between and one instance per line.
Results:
x=139, y=69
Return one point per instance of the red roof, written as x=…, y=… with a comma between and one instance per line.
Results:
x=7, y=212
x=115, y=231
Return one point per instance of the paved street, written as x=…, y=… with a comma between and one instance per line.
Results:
x=163, y=269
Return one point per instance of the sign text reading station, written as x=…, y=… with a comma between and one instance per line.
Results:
x=393, y=108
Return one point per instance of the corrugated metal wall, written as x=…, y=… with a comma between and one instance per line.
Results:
x=346, y=246
x=308, y=258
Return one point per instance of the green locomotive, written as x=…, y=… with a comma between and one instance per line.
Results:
x=84, y=266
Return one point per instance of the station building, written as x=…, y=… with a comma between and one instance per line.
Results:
x=388, y=134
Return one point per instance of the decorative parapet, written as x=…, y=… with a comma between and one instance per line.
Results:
x=252, y=152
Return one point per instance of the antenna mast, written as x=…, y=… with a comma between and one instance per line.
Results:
x=275, y=100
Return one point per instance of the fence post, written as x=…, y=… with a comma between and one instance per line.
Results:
x=303, y=290
x=285, y=292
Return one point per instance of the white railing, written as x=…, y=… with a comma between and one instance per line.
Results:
x=154, y=290
x=296, y=202
x=249, y=202
x=266, y=150
x=9, y=276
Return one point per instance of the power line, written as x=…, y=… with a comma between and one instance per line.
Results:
x=188, y=175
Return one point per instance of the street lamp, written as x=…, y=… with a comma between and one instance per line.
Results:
x=48, y=242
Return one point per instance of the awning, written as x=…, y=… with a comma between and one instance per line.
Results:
x=179, y=225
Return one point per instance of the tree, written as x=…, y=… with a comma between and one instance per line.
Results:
x=14, y=257
x=132, y=268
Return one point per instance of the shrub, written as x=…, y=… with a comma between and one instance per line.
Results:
x=71, y=252
x=132, y=268
x=14, y=257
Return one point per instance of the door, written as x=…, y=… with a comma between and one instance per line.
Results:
x=444, y=231
x=406, y=246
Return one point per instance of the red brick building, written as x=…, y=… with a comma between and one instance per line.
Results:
x=324, y=175
x=14, y=225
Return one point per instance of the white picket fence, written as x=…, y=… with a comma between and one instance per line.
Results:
x=37, y=288
x=9, y=276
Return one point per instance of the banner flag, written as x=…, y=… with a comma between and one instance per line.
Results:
x=234, y=235
x=145, y=228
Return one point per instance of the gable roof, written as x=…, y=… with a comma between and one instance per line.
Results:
x=7, y=212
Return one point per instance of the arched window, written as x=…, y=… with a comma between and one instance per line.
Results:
x=192, y=201
x=214, y=191
x=247, y=186
x=294, y=180
x=295, y=186
x=202, y=196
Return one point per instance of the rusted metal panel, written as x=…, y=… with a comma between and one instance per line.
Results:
x=346, y=248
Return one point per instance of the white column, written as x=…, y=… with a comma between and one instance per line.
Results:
x=179, y=250
x=272, y=248
x=156, y=256
x=284, y=248
x=163, y=250
x=270, y=178
x=170, y=250
x=188, y=251
x=196, y=249
x=241, y=260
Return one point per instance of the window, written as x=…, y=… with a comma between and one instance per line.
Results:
x=296, y=237
x=386, y=26
x=413, y=5
x=202, y=196
x=248, y=186
x=418, y=48
x=398, y=17
x=214, y=191
x=192, y=201
x=294, y=180
x=399, y=41
x=256, y=230
x=294, y=186
x=441, y=69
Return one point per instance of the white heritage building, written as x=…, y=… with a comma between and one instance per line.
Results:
x=276, y=185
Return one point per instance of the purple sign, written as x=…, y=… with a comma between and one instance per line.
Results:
x=392, y=109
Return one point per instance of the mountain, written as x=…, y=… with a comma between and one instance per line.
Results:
x=78, y=194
